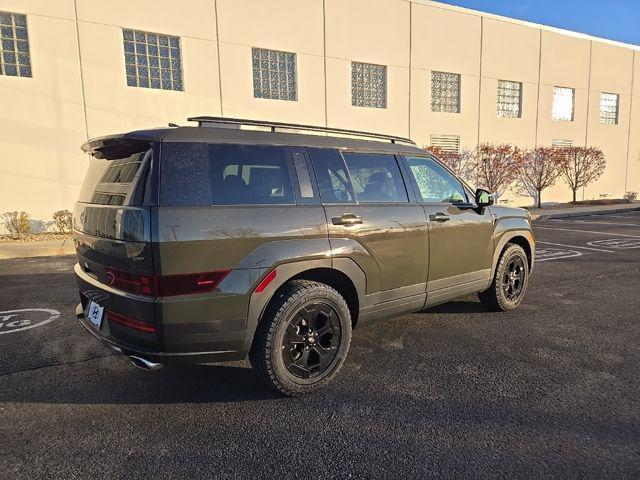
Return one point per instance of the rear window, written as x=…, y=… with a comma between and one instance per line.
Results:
x=196, y=174
x=112, y=178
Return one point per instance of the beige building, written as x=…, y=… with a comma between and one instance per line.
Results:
x=73, y=69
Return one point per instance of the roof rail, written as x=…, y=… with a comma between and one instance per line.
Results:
x=204, y=120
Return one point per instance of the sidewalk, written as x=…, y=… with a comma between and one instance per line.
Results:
x=544, y=213
x=37, y=249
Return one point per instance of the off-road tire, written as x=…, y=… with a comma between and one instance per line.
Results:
x=265, y=355
x=495, y=298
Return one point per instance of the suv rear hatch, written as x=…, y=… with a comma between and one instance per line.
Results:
x=111, y=222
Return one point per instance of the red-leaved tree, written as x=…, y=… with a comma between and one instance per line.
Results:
x=496, y=167
x=581, y=166
x=539, y=169
x=458, y=162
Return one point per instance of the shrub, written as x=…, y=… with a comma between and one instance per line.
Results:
x=17, y=224
x=62, y=220
x=630, y=196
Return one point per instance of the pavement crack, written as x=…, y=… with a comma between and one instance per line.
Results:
x=41, y=367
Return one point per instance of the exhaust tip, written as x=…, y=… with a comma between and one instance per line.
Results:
x=144, y=364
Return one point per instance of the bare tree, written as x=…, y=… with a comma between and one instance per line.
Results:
x=458, y=162
x=539, y=169
x=581, y=166
x=16, y=223
x=496, y=167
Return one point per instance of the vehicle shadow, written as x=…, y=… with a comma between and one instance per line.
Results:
x=460, y=306
x=111, y=380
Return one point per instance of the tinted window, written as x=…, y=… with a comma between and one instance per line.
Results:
x=375, y=178
x=332, y=176
x=435, y=183
x=250, y=175
x=184, y=175
x=111, y=179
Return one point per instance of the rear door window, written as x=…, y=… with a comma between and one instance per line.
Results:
x=250, y=175
x=332, y=176
x=376, y=178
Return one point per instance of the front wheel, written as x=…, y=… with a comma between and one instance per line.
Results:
x=509, y=282
x=303, y=338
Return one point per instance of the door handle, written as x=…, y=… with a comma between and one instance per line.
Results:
x=346, y=219
x=439, y=217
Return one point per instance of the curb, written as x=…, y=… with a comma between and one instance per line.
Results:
x=583, y=213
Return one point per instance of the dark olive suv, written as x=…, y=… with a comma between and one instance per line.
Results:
x=235, y=238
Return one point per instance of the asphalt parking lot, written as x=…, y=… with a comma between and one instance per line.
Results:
x=549, y=390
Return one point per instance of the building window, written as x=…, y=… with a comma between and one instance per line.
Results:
x=509, y=103
x=15, y=60
x=274, y=74
x=561, y=143
x=368, y=85
x=152, y=60
x=446, y=143
x=563, y=99
x=609, y=103
x=445, y=92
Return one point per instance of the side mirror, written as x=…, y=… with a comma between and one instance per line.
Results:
x=483, y=198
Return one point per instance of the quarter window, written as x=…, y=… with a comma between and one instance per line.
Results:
x=274, y=74
x=376, y=178
x=563, y=100
x=368, y=85
x=15, y=60
x=509, y=100
x=184, y=175
x=609, y=103
x=445, y=92
x=435, y=183
x=152, y=60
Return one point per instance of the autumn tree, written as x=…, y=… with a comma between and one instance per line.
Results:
x=16, y=223
x=539, y=169
x=496, y=167
x=458, y=162
x=581, y=166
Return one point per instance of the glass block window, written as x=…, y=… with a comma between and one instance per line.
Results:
x=609, y=103
x=368, y=85
x=152, y=60
x=274, y=74
x=563, y=99
x=509, y=102
x=445, y=92
x=15, y=60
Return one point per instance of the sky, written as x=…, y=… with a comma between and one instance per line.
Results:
x=613, y=19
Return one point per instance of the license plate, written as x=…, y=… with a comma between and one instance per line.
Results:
x=94, y=314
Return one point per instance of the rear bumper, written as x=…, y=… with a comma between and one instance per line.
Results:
x=159, y=357
x=188, y=329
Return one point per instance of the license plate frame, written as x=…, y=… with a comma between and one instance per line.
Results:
x=95, y=314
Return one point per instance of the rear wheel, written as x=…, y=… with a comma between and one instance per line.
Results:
x=302, y=341
x=510, y=280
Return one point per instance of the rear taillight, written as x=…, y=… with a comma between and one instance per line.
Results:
x=132, y=282
x=129, y=322
x=166, y=285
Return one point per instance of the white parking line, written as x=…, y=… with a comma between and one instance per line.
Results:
x=575, y=246
x=597, y=223
x=587, y=231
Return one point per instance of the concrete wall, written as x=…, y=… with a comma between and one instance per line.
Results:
x=79, y=89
